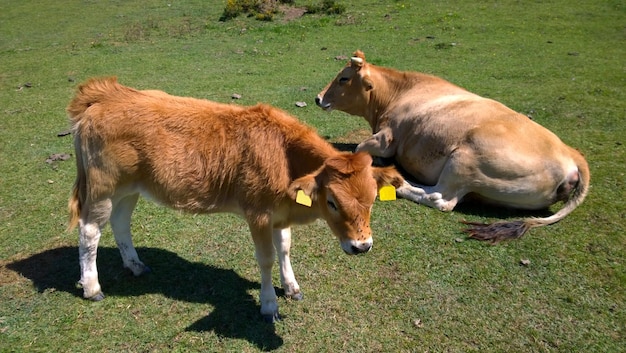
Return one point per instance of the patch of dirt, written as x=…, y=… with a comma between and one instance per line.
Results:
x=291, y=13
x=349, y=141
x=356, y=136
x=7, y=276
x=58, y=157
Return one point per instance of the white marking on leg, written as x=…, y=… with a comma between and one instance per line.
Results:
x=426, y=195
x=282, y=243
x=265, y=256
x=120, y=225
x=87, y=252
x=93, y=217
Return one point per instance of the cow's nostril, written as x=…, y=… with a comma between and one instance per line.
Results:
x=318, y=100
x=363, y=248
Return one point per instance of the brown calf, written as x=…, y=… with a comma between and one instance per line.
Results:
x=205, y=157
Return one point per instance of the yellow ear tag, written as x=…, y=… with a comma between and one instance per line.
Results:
x=387, y=193
x=303, y=199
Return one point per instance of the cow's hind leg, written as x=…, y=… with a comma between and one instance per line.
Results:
x=120, y=225
x=282, y=243
x=93, y=217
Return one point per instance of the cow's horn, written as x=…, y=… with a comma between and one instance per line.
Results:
x=356, y=60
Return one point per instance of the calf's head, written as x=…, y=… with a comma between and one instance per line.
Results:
x=349, y=90
x=344, y=190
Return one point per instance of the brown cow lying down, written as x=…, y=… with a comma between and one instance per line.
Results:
x=456, y=143
x=205, y=157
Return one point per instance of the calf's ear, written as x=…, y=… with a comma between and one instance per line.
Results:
x=308, y=185
x=348, y=163
x=387, y=176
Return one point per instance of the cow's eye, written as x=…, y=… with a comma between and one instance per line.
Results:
x=343, y=80
x=331, y=205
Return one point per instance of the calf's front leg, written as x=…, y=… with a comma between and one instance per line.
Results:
x=120, y=225
x=282, y=243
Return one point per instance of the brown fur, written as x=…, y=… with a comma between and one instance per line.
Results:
x=203, y=157
x=456, y=143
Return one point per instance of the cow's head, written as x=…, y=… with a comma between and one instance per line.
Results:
x=344, y=190
x=349, y=91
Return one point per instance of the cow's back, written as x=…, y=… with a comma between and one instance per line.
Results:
x=191, y=154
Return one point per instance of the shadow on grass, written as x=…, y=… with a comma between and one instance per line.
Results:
x=475, y=207
x=235, y=313
x=345, y=147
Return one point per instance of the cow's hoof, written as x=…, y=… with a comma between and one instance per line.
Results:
x=271, y=318
x=97, y=297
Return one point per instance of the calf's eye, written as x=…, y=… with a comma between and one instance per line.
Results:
x=331, y=205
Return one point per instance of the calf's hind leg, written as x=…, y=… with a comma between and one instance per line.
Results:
x=120, y=225
x=93, y=217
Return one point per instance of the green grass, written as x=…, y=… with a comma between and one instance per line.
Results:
x=420, y=289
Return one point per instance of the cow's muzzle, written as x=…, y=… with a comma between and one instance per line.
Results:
x=320, y=103
x=356, y=247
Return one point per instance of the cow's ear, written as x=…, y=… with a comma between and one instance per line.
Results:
x=367, y=83
x=307, y=184
x=387, y=176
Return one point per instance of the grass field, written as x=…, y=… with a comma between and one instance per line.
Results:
x=423, y=288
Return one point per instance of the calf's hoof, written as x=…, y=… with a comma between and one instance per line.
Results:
x=96, y=297
x=146, y=270
x=271, y=318
x=139, y=270
x=296, y=296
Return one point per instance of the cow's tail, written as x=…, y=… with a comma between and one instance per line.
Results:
x=91, y=92
x=506, y=230
x=74, y=206
x=79, y=189
x=87, y=94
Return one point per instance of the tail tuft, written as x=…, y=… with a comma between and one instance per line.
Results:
x=507, y=230
x=498, y=231
x=73, y=206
